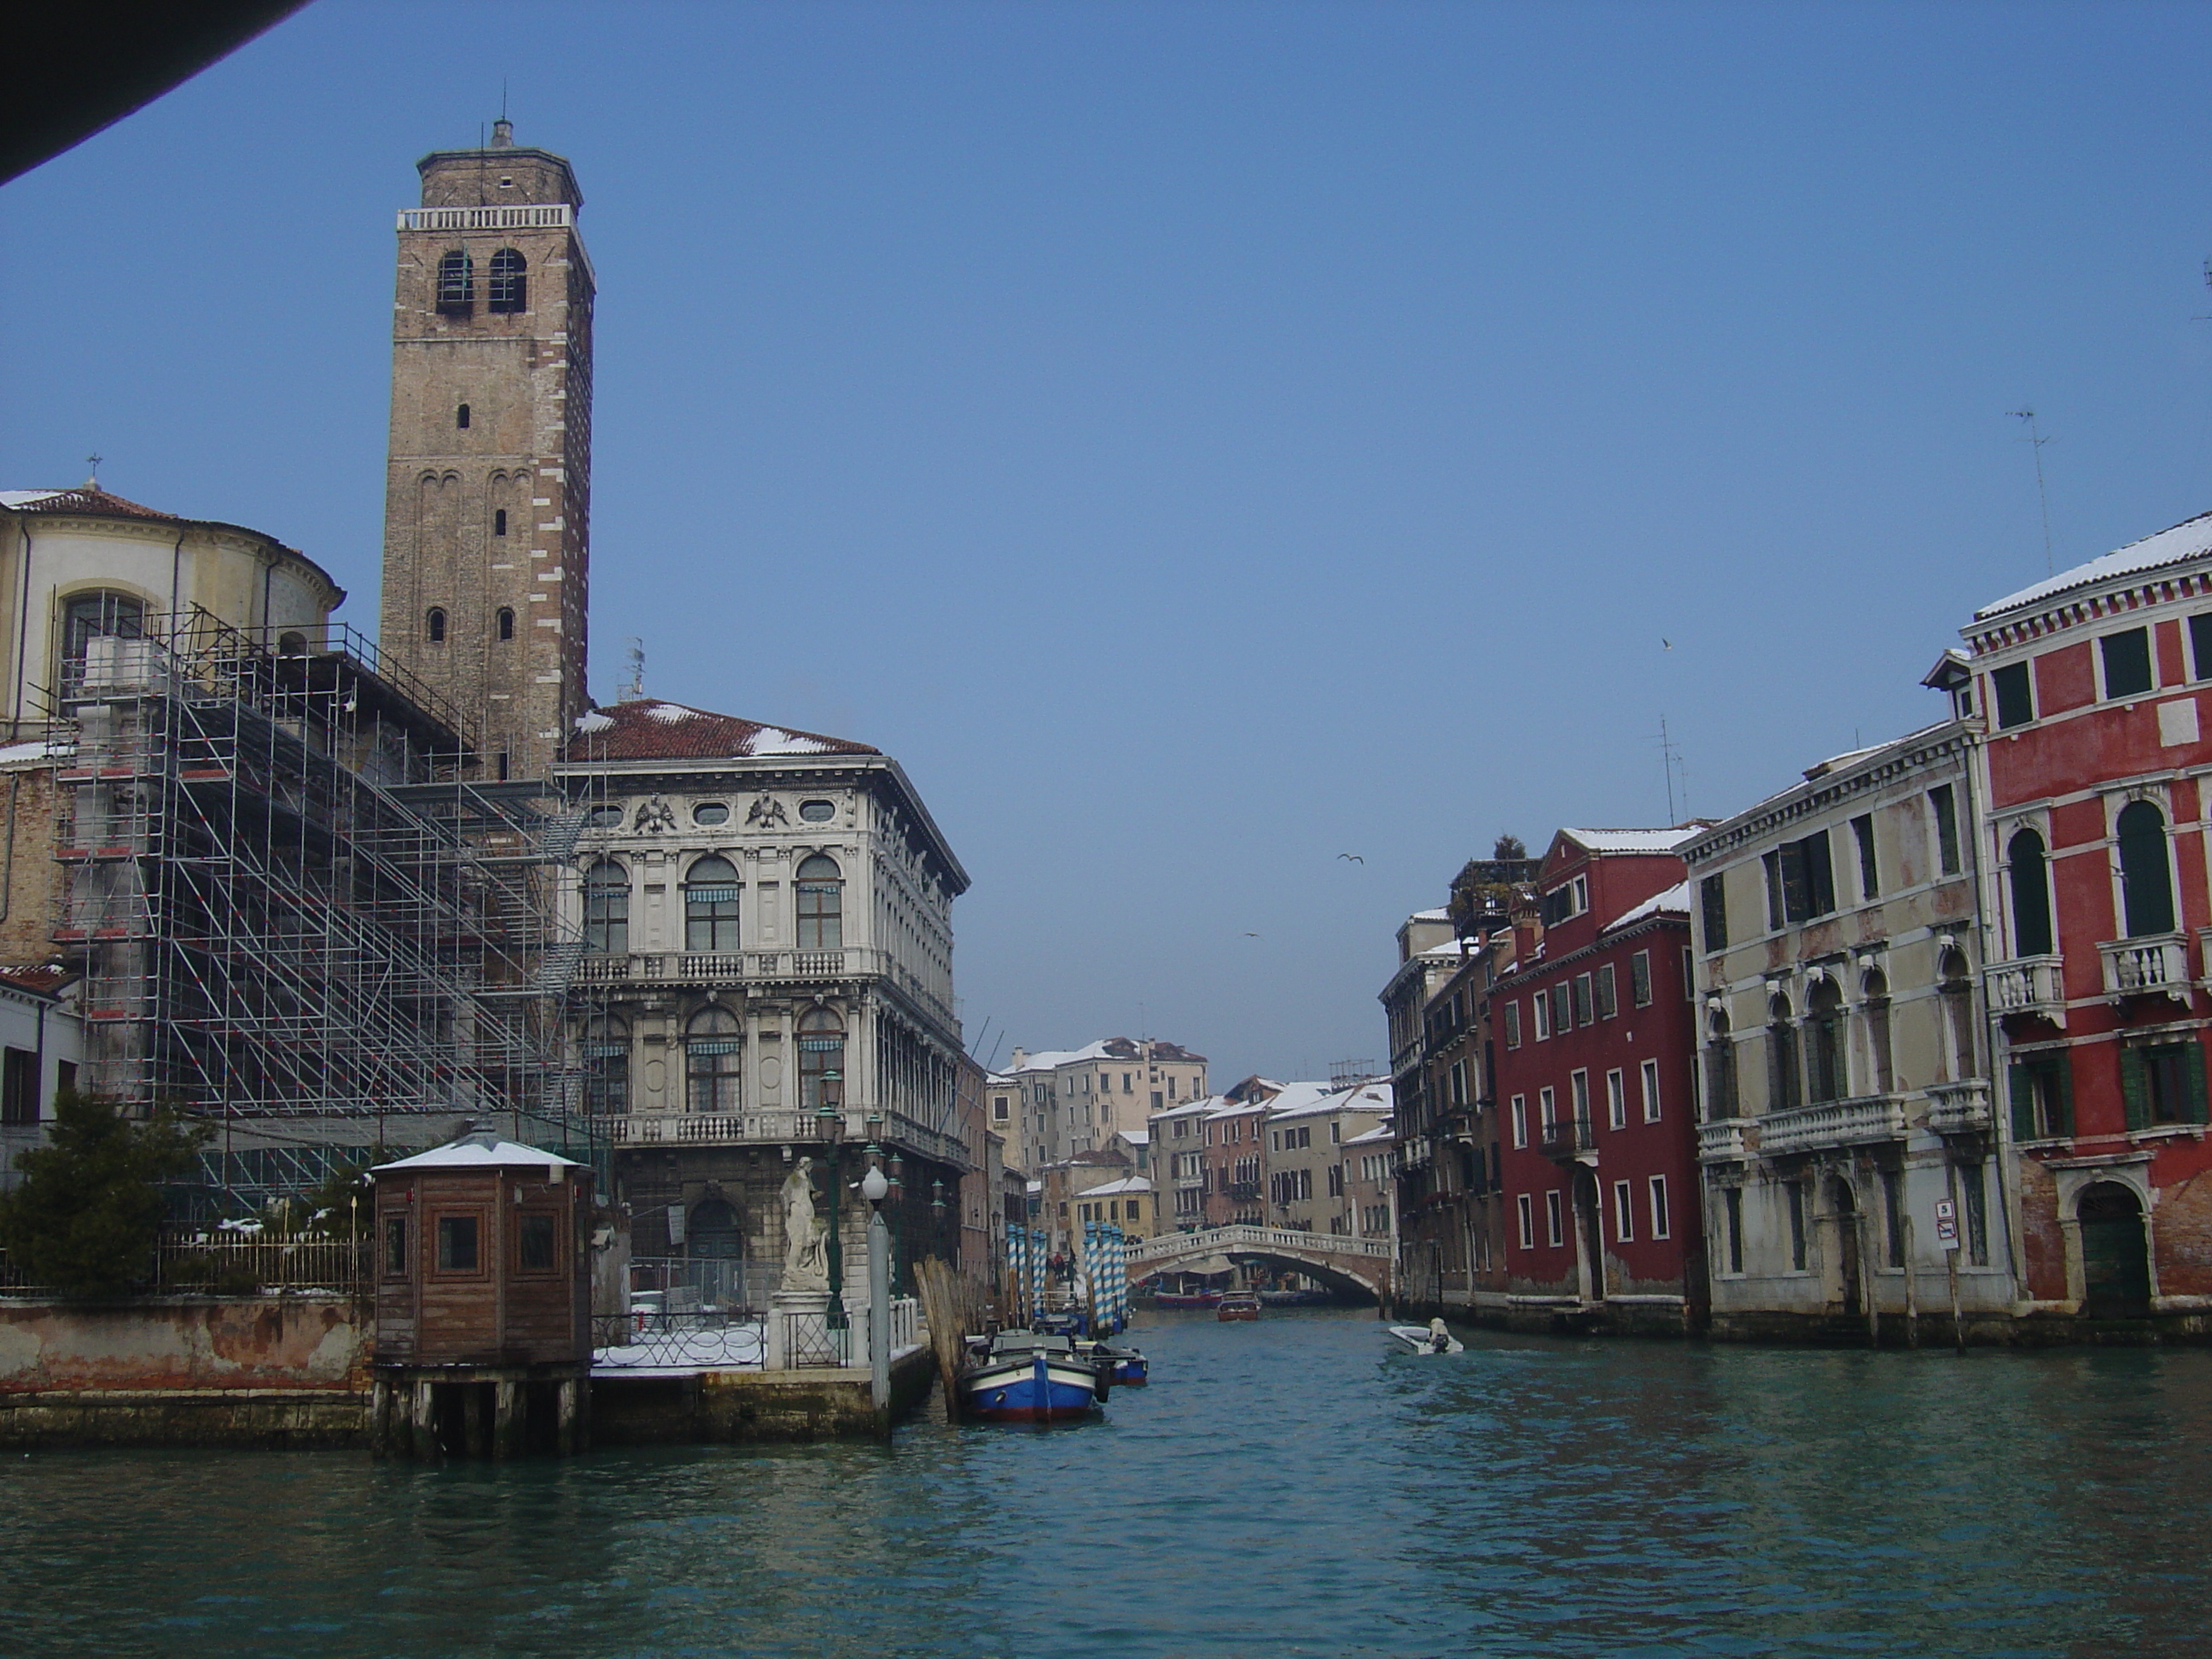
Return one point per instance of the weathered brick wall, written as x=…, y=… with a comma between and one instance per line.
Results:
x=2183, y=1227
x=202, y=1342
x=2042, y=1240
x=32, y=877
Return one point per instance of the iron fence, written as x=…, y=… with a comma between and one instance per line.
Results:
x=186, y=1259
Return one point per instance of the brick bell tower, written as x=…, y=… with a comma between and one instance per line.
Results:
x=487, y=517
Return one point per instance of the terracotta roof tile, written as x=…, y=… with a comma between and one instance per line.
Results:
x=653, y=730
x=87, y=500
x=45, y=978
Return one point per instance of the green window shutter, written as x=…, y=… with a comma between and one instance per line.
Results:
x=2062, y=1075
x=2135, y=1088
x=2022, y=1080
x=2193, y=1109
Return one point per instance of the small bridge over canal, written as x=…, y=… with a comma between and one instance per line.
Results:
x=1359, y=1265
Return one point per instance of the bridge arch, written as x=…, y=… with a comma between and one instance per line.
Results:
x=1361, y=1267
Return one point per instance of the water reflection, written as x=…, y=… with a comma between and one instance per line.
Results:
x=1286, y=1487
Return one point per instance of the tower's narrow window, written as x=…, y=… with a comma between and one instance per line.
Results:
x=461, y=418
x=506, y=622
x=510, y=287
x=498, y=522
x=434, y=626
x=456, y=283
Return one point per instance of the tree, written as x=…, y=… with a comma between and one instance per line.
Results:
x=88, y=1210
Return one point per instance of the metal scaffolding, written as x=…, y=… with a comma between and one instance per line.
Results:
x=297, y=916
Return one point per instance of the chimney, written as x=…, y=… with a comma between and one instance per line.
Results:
x=502, y=134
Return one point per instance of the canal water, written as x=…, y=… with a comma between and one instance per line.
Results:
x=1285, y=1487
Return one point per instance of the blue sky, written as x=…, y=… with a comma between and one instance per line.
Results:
x=1199, y=439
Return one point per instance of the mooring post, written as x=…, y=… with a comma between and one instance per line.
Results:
x=507, y=1419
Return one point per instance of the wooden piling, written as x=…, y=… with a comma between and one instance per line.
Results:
x=946, y=1308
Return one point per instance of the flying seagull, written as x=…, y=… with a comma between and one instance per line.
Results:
x=1251, y=935
x=1354, y=857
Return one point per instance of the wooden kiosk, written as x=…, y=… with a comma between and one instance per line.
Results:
x=483, y=1332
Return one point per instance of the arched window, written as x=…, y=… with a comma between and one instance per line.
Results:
x=710, y=906
x=456, y=283
x=434, y=624
x=606, y=908
x=714, y=1233
x=461, y=418
x=506, y=622
x=2028, y=871
x=1719, y=1070
x=1784, y=1083
x=2146, y=878
x=606, y=1067
x=292, y=644
x=821, y=1060
x=1875, y=988
x=1824, y=1021
x=821, y=905
x=510, y=287
x=711, y=1052
x=102, y=616
x=1954, y=983
x=498, y=522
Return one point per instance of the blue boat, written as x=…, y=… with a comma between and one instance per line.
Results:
x=1032, y=1376
x=1128, y=1365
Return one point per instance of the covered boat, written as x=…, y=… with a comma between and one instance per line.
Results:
x=1128, y=1366
x=1032, y=1376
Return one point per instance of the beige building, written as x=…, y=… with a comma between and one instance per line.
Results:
x=1371, y=1170
x=1845, y=1058
x=487, y=530
x=1309, y=1172
x=1058, y=1102
x=1126, y=1203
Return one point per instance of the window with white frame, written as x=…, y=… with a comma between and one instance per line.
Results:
x=1541, y=1002
x=1547, y=1108
x=1650, y=1082
x=1513, y=1024
x=1662, y=1222
x=1639, y=977
x=1623, y=1212
x=1555, y=1224
x=1616, y=1100
x=1528, y=1216
x=1520, y=1120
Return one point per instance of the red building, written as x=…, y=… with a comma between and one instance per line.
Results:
x=2093, y=803
x=1594, y=1041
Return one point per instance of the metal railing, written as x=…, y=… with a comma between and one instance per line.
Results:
x=550, y=215
x=189, y=1261
x=1569, y=1139
x=1169, y=1246
x=781, y=1126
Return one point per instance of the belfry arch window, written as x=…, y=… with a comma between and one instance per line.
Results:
x=509, y=290
x=606, y=1067
x=461, y=418
x=506, y=622
x=2029, y=872
x=606, y=908
x=712, y=1048
x=456, y=283
x=821, y=1060
x=2145, y=873
x=821, y=888
x=433, y=626
x=498, y=522
x=101, y=616
x=710, y=906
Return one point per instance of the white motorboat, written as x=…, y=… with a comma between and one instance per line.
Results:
x=1432, y=1338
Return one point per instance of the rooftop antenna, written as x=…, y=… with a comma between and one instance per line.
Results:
x=632, y=689
x=1669, y=758
x=2035, y=442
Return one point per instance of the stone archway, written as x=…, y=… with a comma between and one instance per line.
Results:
x=2115, y=1252
x=1850, y=1266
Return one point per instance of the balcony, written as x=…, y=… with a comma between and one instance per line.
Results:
x=1571, y=1140
x=785, y=1127
x=2156, y=965
x=1722, y=1141
x=2029, y=985
x=1833, y=1123
x=1959, y=1109
x=680, y=968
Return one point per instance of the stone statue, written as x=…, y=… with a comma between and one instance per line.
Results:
x=655, y=817
x=766, y=813
x=805, y=1241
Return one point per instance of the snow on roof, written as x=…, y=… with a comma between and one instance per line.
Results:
x=1112, y=1188
x=2191, y=538
x=1631, y=840
x=480, y=1149
x=1136, y=1137
x=1363, y=1097
x=1430, y=916
x=1206, y=1104
x=1675, y=901
x=37, y=752
x=1229, y=1107
x=1383, y=1130
x=676, y=731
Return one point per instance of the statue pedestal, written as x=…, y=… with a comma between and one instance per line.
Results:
x=805, y=1308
